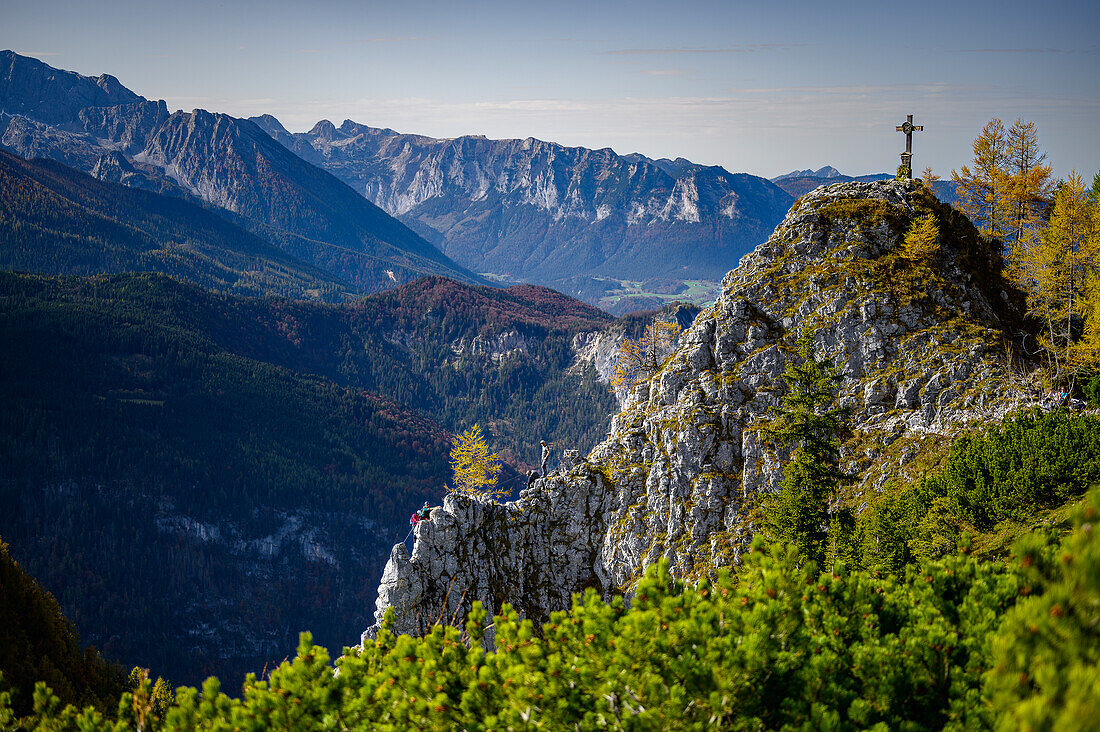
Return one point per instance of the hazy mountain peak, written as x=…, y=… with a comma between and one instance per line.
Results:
x=34, y=89
x=826, y=172
x=349, y=127
x=269, y=123
x=324, y=130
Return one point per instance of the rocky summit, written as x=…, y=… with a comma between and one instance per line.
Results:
x=924, y=348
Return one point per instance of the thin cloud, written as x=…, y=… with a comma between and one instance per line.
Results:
x=665, y=72
x=1015, y=50
x=37, y=54
x=744, y=48
x=382, y=39
x=860, y=90
x=366, y=41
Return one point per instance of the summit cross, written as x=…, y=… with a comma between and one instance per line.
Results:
x=905, y=172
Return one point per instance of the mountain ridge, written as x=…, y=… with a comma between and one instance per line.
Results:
x=531, y=209
x=827, y=171
x=60, y=221
x=215, y=158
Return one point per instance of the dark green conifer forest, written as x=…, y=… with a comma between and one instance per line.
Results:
x=39, y=644
x=157, y=437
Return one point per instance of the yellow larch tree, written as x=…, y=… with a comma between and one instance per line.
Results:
x=1028, y=186
x=475, y=469
x=1085, y=353
x=922, y=241
x=1054, y=269
x=981, y=190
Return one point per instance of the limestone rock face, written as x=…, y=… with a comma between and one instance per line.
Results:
x=126, y=127
x=498, y=347
x=921, y=348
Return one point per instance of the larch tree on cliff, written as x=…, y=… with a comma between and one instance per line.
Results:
x=1055, y=271
x=982, y=188
x=1028, y=186
x=476, y=470
x=1007, y=185
x=639, y=359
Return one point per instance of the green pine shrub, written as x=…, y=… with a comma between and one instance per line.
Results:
x=1030, y=462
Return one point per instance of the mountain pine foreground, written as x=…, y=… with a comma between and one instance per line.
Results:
x=955, y=643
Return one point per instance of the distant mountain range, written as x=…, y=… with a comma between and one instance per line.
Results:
x=360, y=209
x=538, y=211
x=826, y=172
x=98, y=126
x=800, y=182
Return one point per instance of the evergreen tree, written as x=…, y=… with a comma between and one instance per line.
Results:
x=475, y=469
x=809, y=421
x=1046, y=656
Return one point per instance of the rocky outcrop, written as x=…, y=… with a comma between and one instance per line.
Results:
x=921, y=348
x=542, y=212
x=114, y=167
x=125, y=127
x=497, y=347
x=599, y=348
x=30, y=139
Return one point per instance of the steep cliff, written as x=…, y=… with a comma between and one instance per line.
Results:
x=924, y=348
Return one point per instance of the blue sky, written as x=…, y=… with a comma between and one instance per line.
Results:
x=760, y=87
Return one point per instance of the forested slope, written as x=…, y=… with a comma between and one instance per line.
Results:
x=39, y=644
x=56, y=220
x=199, y=476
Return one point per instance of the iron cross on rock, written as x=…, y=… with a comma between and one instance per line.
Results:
x=905, y=172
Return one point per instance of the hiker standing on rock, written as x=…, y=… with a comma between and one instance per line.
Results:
x=424, y=514
x=545, y=455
